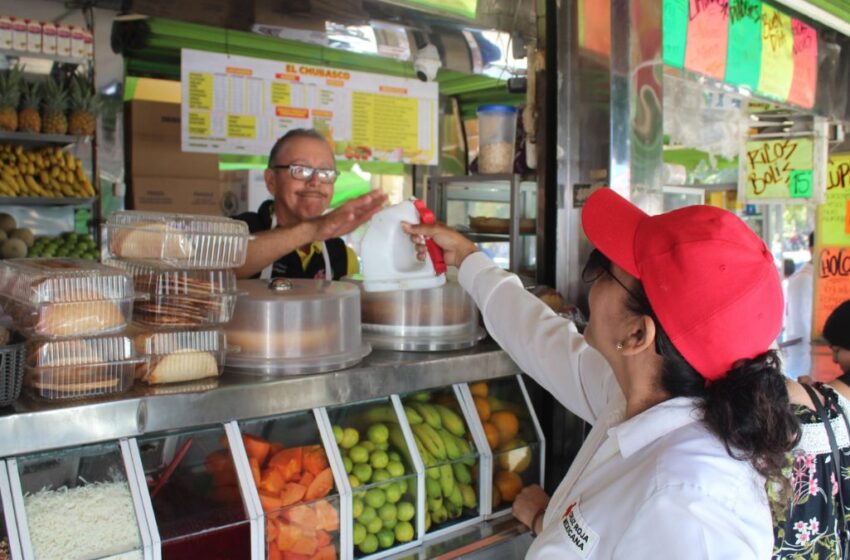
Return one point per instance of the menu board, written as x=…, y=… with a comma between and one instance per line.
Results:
x=833, y=217
x=832, y=283
x=780, y=169
x=708, y=29
x=777, y=53
x=743, y=57
x=241, y=105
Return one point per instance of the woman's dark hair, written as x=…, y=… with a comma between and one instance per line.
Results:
x=748, y=408
x=836, y=330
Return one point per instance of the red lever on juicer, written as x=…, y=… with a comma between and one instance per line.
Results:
x=426, y=216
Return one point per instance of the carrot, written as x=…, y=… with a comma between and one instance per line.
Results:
x=288, y=462
x=256, y=447
x=322, y=486
x=272, y=481
x=315, y=460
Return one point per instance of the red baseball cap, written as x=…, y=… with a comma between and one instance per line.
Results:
x=709, y=278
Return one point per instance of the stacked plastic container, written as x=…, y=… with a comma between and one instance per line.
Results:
x=72, y=313
x=182, y=271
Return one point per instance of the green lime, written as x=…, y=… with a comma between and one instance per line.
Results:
x=379, y=459
x=355, y=482
x=375, y=525
x=390, y=523
x=359, y=533
x=357, y=507
x=404, y=532
x=376, y=498
x=395, y=468
x=386, y=538
x=369, y=544
x=402, y=486
x=388, y=511
x=394, y=456
x=367, y=515
x=380, y=475
x=359, y=454
x=350, y=437
x=378, y=433
x=363, y=472
x=338, y=433
x=393, y=493
x=406, y=511
x=348, y=464
x=382, y=446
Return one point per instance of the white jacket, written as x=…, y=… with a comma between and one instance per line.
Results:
x=656, y=486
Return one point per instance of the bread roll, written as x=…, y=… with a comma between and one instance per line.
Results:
x=151, y=240
x=79, y=318
x=184, y=365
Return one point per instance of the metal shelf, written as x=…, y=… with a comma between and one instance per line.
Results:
x=37, y=140
x=44, y=201
x=54, y=57
x=31, y=426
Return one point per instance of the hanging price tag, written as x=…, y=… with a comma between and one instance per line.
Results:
x=800, y=184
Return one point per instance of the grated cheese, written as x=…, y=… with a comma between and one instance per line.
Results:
x=91, y=521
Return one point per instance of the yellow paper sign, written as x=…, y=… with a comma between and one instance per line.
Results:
x=200, y=90
x=281, y=93
x=832, y=283
x=385, y=121
x=777, y=53
x=833, y=216
x=199, y=124
x=241, y=126
x=779, y=169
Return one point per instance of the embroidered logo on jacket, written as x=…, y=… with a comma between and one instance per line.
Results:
x=580, y=536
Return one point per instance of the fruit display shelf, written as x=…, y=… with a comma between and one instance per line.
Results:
x=38, y=140
x=45, y=201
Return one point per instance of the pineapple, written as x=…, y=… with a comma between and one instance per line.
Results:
x=53, y=120
x=84, y=108
x=10, y=96
x=29, y=119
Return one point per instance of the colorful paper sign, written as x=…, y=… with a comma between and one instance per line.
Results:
x=778, y=169
x=777, y=53
x=743, y=57
x=708, y=33
x=594, y=29
x=241, y=105
x=832, y=283
x=833, y=216
x=675, y=31
x=804, y=82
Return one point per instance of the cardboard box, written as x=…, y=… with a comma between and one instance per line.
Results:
x=185, y=196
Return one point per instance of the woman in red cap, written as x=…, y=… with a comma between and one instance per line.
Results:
x=688, y=405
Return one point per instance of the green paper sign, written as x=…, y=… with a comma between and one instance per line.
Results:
x=800, y=183
x=743, y=57
x=675, y=32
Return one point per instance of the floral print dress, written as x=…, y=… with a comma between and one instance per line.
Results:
x=807, y=526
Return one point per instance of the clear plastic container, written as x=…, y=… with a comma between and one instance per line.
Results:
x=296, y=486
x=57, y=298
x=443, y=318
x=77, y=504
x=178, y=356
x=195, y=495
x=179, y=240
x=452, y=462
x=294, y=326
x=496, y=138
x=79, y=368
x=181, y=298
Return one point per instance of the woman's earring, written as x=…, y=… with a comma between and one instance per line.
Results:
x=619, y=346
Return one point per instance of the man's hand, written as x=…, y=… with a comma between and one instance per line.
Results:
x=349, y=216
x=531, y=501
x=455, y=246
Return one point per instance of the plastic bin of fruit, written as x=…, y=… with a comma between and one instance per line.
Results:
x=295, y=485
x=195, y=495
x=513, y=435
x=450, y=456
x=382, y=474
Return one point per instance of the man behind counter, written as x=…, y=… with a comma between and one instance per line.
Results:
x=293, y=237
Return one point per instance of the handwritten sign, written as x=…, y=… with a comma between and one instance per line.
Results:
x=708, y=31
x=743, y=57
x=832, y=283
x=777, y=53
x=833, y=216
x=675, y=31
x=805, y=78
x=778, y=169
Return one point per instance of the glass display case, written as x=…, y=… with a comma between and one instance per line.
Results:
x=77, y=503
x=497, y=212
x=385, y=476
x=450, y=455
x=514, y=438
x=295, y=485
x=10, y=543
x=196, y=506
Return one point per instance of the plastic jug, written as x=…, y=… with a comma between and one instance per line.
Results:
x=388, y=256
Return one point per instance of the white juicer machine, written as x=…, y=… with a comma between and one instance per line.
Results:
x=388, y=255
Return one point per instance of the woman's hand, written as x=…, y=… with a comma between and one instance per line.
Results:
x=455, y=246
x=528, y=504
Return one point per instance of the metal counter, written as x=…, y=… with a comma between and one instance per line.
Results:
x=30, y=426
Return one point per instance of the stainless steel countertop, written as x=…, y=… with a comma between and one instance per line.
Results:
x=30, y=425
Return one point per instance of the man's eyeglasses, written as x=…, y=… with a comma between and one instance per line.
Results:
x=304, y=173
x=597, y=265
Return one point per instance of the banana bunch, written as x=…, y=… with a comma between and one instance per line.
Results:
x=448, y=456
x=45, y=172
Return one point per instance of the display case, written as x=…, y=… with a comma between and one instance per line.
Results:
x=451, y=456
x=10, y=542
x=78, y=503
x=385, y=476
x=295, y=485
x=497, y=212
x=195, y=506
x=516, y=443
